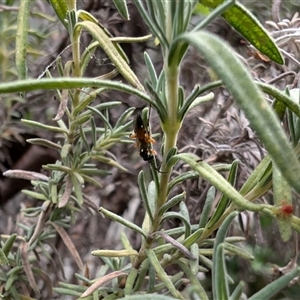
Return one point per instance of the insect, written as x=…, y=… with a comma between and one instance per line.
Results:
x=286, y=209
x=143, y=138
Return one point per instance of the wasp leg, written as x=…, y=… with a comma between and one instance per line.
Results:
x=149, y=139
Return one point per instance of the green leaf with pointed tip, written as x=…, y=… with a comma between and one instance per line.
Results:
x=121, y=220
x=170, y=203
x=239, y=83
x=210, y=197
x=3, y=258
x=162, y=275
x=122, y=8
x=260, y=173
x=8, y=244
x=132, y=275
x=60, y=7
x=289, y=101
x=243, y=21
x=277, y=285
x=101, y=36
x=248, y=26
x=195, y=282
x=149, y=205
x=224, y=201
x=237, y=293
x=194, y=264
x=173, y=215
x=217, y=180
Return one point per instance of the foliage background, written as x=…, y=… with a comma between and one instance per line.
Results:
x=217, y=131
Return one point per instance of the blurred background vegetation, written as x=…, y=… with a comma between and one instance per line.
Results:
x=218, y=132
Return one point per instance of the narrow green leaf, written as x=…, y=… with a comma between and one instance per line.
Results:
x=110, y=49
x=282, y=197
x=68, y=292
x=10, y=282
x=69, y=83
x=43, y=142
x=205, y=261
x=276, y=286
x=238, y=251
x=218, y=181
x=238, y=291
x=131, y=278
x=171, y=153
x=219, y=8
x=86, y=16
x=151, y=70
x=194, y=264
x=60, y=7
x=249, y=27
x=123, y=118
x=75, y=287
x=257, y=175
x=161, y=273
x=142, y=274
x=34, y=195
x=219, y=281
x=65, y=150
x=243, y=21
x=172, y=215
x=288, y=101
x=239, y=83
x=295, y=223
x=43, y=126
x=8, y=244
x=200, y=100
x=84, y=139
x=224, y=201
x=77, y=185
x=184, y=211
x=101, y=116
x=149, y=206
x=170, y=203
x=152, y=277
x=152, y=196
x=151, y=23
x=182, y=177
x=109, y=162
x=91, y=96
x=210, y=197
x=294, y=119
x=14, y=271
x=193, y=238
x=3, y=258
x=93, y=132
x=122, y=8
x=22, y=38
x=53, y=191
x=121, y=220
x=279, y=108
x=196, y=285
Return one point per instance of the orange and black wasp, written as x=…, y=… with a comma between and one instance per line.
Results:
x=143, y=138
